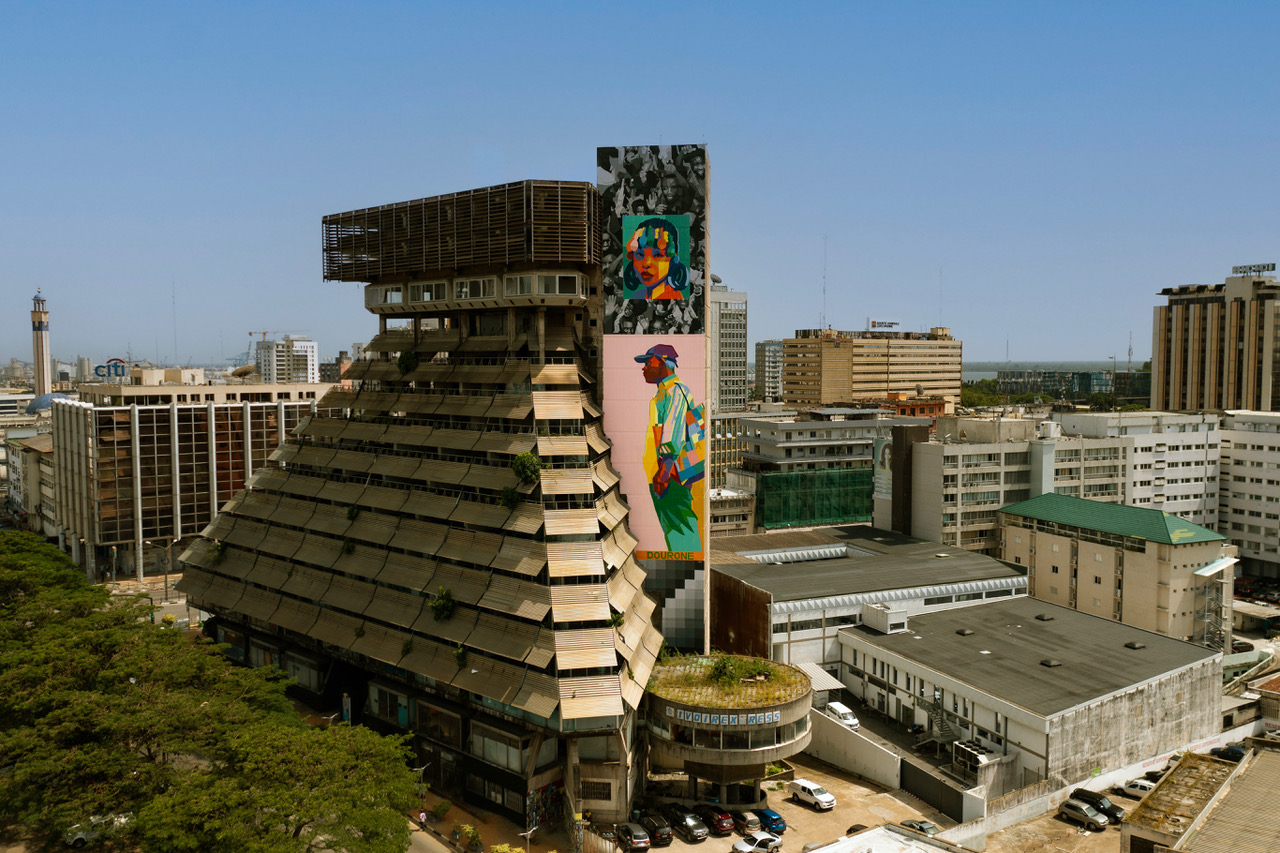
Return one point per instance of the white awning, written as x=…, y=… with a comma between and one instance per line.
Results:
x=819, y=677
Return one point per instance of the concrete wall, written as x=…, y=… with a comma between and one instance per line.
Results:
x=852, y=752
x=1182, y=707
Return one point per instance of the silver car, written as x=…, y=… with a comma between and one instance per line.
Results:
x=758, y=842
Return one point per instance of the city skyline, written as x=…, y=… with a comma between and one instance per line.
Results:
x=1029, y=177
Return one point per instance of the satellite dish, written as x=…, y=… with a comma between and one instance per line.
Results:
x=245, y=370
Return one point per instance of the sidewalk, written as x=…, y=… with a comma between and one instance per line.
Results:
x=494, y=829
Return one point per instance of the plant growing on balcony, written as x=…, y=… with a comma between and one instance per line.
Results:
x=460, y=656
x=442, y=605
x=407, y=362
x=527, y=466
x=510, y=497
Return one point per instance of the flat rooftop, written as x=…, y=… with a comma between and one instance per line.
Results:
x=1244, y=819
x=1181, y=795
x=1002, y=656
x=874, y=560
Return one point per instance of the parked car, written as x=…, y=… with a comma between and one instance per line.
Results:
x=97, y=828
x=842, y=715
x=804, y=791
x=758, y=842
x=857, y=827
x=1228, y=753
x=659, y=830
x=690, y=827
x=718, y=821
x=746, y=822
x=771, y=821
x=633, y=836
x=1240, y=646
x=922, y=826
x=1100, y=802
x=1084, y=814
x=1138, y=787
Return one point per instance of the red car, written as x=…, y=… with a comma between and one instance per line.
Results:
x=717, y=819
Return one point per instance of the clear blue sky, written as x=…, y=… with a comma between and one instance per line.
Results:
x=1029, y=172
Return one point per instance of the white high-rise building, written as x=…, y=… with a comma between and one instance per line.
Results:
x=1249, y=497
x=288, y=361
x=727, y=366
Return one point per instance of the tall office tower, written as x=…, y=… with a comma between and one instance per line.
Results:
x=769, y=370
x=288, y=361
x=1213, y=346
x=823, y=367
x=40, y=346
x=729, y=385
x=408, y=559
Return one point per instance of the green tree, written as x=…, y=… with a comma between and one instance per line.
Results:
x=100, y=711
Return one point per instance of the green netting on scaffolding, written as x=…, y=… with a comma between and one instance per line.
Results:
x=804, y=498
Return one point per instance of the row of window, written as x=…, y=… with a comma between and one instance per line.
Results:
x=559, y=284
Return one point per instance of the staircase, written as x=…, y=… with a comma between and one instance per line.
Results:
x=941, y=731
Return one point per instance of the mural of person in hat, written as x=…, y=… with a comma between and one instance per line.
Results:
x=674, y=457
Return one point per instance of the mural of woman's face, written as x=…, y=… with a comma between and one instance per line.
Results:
x=652, y=264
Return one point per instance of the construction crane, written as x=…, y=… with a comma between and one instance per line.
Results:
x=276, y=332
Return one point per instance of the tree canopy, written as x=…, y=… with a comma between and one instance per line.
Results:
x=103, y=712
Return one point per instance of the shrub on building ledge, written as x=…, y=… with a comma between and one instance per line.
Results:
x=510, y=497
x=527, y=466
x=460, y=656
x=407, y=362
x=442, y=605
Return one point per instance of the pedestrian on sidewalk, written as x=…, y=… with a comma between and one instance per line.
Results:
x=422, y=820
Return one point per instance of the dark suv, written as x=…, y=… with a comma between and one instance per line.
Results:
x=1100, y=802
x=660, y=834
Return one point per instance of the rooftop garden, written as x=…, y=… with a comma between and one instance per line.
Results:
x=722, y=680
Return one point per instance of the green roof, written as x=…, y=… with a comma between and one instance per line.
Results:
x=1138, y=522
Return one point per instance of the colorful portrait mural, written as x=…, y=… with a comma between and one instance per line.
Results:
x=657, y=422
x=667, y=183
x=654, y=268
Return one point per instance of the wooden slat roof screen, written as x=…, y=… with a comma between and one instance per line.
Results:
x=596, y=438
x=557, y=405
x=567, y=481
x=523, y=556
x=565, y=522
x=562, y=445
x=579, y=602
x=596, y=696
x=509, y=223
x=591, y=647
x=574, y=559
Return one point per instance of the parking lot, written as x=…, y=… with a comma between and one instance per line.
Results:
x=857, y=801
x=1048, y=832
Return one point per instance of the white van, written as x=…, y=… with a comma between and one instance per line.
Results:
x=842, y=715
x=804, y=791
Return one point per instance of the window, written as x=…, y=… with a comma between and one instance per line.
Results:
x=426, y=291
x=388, y=705
x=519, y=285
x=594, y=789
x=475, y=288
x=562, y=285
x=304, y=671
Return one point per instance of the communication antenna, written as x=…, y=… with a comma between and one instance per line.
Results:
x=173, y=291
x=823, y=319
x=940, y=323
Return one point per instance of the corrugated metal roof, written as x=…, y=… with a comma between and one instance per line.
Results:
x=502, y=636
x=246, y=533
x=295, y=615
x=597, y=696
x=394, y=607
x=555, y=374
x=596, y=438
x=523, y=556
x=382, y=497
x=308, y=584
x=525, y=518
x=350, y=593
x=1244, y=819
x=363, y=561
x=337, y=629
x=819, y=678
x=371, y=527
x=381, y=643
x=566, y=522
x=557, y=405
x=1152, y=525
x=575, y=559
x=568, y=481
x=319, y=551
x=270, y=571
x=590, y=647
x=562, y=445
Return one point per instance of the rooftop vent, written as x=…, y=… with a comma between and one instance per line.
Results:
x=1050, y=662
x=942, y=555
x=1135, y=644
x=1044, y=617
x=965, y=632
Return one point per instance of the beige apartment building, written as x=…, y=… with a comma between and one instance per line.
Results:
x=145, y=466
x=1214, y=346
x=1249, y=492
x=822, y=367
x=1143, y=567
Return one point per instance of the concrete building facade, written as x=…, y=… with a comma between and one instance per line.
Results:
x=727, y=378
x=143, y=467
x=769, y=370
x=394, y=555
x=1214, y=346
x=1139, y=566
x=824, y=367
x=292, y=360
x=1044, y=692
x=1249, y=489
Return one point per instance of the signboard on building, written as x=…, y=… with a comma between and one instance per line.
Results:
x=115, y=368
x=882, y=484
x=881, y=325
x=1253, y=269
